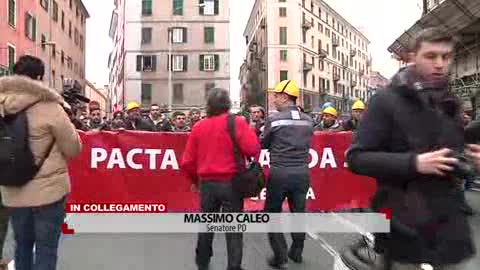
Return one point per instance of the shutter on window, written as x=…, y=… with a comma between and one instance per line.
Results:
x=26, y=24
x=154, y=62
x=139, y=62
x=201, y=7
x=34, y=29
x=217, y=62
x=184, y=35
x=202, y=60
x=185, y=63
x=216, y=6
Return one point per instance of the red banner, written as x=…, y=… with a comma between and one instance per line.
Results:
x=143, y=167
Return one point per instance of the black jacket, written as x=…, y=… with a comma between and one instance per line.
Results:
x=160, y=126
x=288, y=135
x=140, y=124
x=400, y=124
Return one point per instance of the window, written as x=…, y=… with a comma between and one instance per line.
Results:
x=210, y=7
x=312, y=41
x=208, y=87
x=282, y=1
x=70, y=29
x=44, y=4
x=283, y=55
x=70, y=4
x=44, y=39
x=30, y=27
x=146, y=7
x=55, y=11
x=82, y=42
x=63, y=20
x=146, y=35
x=180, y=63
x=283, y=12
x=327, y=31
x=313, y=81
x=209, y=34
x=75, y=69
x=12, y=12
x=76, y=36
x=11, y=56
x=146, y=63
x=63, y=57
x=209, y=63
x=77, y=13
x=82, y=19
x=53, y=78
x=320, y=28
x=177, y=7
x=54, y=51
x=146, y=95
x=178, y=93
x=283, y=75
x=283, y=35
x=179, y=35
x=322, y=65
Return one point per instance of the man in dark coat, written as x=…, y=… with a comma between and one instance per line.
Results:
x=135, y=120
x=407, y=141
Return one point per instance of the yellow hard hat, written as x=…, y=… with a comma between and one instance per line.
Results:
x=289, y=87
x=331, y=111
x=358, y=105
x=132, y=105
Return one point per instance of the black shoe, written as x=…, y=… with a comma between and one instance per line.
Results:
x=272, y=262
x=467, y=210
x=295, y=254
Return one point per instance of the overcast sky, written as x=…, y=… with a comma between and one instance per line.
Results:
x=381, y=28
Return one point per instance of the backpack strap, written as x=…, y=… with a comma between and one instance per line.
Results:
x=49, y=151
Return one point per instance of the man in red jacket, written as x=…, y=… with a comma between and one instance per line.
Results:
x=209, y=161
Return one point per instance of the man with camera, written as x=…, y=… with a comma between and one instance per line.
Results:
x=411, y=141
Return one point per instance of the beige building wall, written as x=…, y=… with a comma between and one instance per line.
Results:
x=194, y=81
x=73, y=64
x=306, y=62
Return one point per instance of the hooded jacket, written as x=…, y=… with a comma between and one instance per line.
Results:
x=403, y=121
x=47, y=123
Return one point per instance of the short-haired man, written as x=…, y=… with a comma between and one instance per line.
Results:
x=408, y=141
x=96, y=122
x=195, y=116
x=287, y=135
x=38, y=207
x=155, y=118
x=179, y=122
x=210, y=163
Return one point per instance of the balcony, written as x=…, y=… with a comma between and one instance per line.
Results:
x=353, y=53
x=307, y=66
x=335, y=42
x=353, y=83
x=322, y=53
x=306, y=25
x=336, y=76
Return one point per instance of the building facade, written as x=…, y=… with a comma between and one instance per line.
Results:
x=377, y=82
x=98, y=95
x=462, y=19
x=54, y=31
x=171, y=54
x=306, y=41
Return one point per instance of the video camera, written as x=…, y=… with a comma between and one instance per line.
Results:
x=72, y=94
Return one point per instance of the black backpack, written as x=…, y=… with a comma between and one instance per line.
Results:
x=17, y=163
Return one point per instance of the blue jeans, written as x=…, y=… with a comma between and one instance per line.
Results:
x=39, y=226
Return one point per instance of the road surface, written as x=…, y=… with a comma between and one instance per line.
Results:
x=176, y=251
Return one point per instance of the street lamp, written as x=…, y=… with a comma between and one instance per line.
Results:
x=170, y=58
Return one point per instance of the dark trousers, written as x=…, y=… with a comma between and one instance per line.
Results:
x=39, y=226
x=216, y=196
x=293, y=184
x=4, y=216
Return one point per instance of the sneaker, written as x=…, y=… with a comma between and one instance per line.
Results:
x=272, y=262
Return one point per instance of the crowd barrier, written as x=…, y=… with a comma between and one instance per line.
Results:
x=143, y=167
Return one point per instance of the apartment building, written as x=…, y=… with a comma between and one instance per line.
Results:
x=307, y=41
x=170, y=54
x=53, y=30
